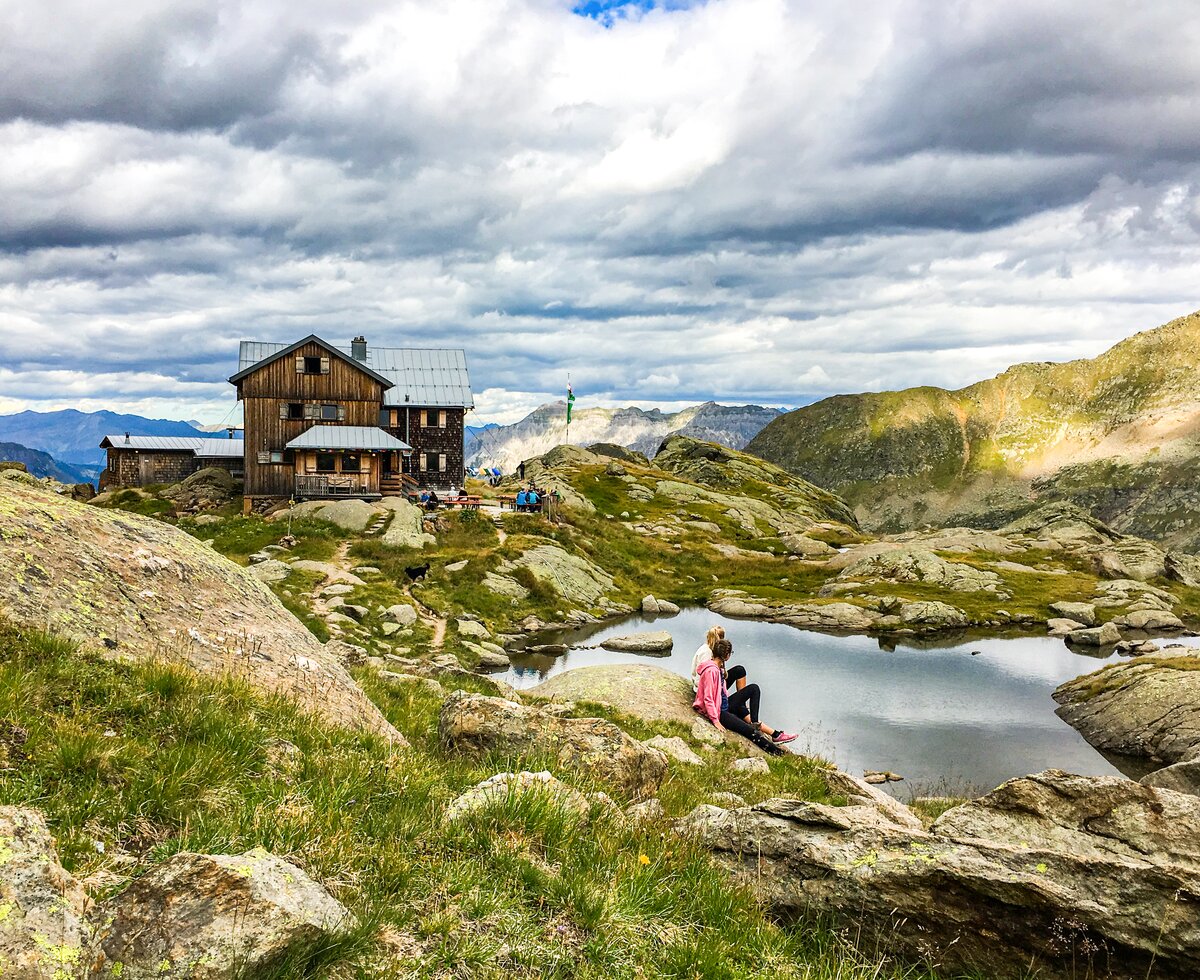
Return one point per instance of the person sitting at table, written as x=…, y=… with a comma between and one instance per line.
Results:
x=431, y=502
x=519, y=504
x=533, y=500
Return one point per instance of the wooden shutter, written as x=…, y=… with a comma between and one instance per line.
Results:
x=312, y=410
x=441, y=462
x=424, y=458
x=441, y=420
x=424, y=418
x=283, y=410
x=341, y=413
x=324, y=365
x=299, y=363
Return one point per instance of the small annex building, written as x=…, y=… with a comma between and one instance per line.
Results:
x=136, y=461
x=358, y=421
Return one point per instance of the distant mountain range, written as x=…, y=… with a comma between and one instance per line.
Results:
x=43, y=464
x=505, y=446
x=73, y=437
x=1118, y=434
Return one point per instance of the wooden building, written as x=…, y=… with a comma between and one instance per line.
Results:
x=136, y=461
x=326, y=421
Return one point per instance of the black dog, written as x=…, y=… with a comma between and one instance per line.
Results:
x=417, y=572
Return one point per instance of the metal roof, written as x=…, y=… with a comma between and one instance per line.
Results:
x=427, y=376
x=284, y=349
x=199, y=446
x=348, y=437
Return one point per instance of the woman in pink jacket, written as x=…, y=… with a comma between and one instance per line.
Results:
x=712, y=701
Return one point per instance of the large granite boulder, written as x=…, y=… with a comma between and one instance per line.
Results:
x=574, y=577
x=479, y=725
x=1183, y=777
x=210, y=916
x=506, y=786
x=1084, y=613
x=41, y=905
x=350, y=515
x=140, y=588
x=1059, y=875
x=407, y=526
x=205, y=489
x=1147, y=707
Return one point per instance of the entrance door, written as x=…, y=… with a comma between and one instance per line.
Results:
x=145, y=470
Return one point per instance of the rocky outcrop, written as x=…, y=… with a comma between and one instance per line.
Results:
x=920, y=565
x=1182, y=777
x=657, y=642
x=205, y=489
x=1084, y=613
x=406, y=528
x=41, y=906
x=1095, y=636
x=574, y=577
x=1148, y=707
x=1057, y=874
x=676, y=748
x=479, y=725
x=885, y=614
x=136, y=587
x=658, y=607
x=211, y=916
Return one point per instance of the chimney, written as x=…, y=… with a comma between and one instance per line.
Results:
x=358, y=349
x=127, y=438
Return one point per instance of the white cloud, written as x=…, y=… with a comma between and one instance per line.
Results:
x=748, y=200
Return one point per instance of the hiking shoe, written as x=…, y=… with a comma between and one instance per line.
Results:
x=784, y=737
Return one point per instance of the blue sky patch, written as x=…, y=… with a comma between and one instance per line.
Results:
x=608, y=12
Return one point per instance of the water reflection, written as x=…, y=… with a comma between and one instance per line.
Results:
x=946, y=714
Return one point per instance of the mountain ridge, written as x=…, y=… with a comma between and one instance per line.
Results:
x=1118, y=434
x=642, y=430
x=73, y=437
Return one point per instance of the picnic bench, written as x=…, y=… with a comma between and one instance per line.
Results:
x=466, y=502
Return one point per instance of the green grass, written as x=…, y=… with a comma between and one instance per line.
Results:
x=151, y=759
x=239, y=537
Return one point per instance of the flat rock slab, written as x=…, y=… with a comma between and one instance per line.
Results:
x=1056, y=875
x=658, y=642
x=140, y=588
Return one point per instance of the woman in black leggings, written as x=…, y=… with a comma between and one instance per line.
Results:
x=727, y=712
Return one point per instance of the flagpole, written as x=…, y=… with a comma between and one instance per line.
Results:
x=569, y=400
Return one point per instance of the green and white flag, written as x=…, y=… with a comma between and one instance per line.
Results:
x=570, y=402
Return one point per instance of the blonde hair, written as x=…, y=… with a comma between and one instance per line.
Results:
x=714, y=633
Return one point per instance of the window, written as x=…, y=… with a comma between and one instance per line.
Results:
x=351, y=463
x=325, y=463
x=330, y=413
x=385, y=417
x=312, y=365
x=277, y=457
x=435, y=419
x=295, y=410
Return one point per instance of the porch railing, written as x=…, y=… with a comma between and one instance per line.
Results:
x=332, y=485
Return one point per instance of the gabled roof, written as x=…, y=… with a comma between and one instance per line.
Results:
x=282, y=350
x=417, y=377
x=348, y=437
x=198, y=446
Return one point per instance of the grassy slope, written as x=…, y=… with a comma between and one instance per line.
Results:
x=152, y=759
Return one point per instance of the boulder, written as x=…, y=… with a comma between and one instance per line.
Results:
x=1061, y=627
x=490, y=662
x=658, y=607
x=479, y=725
x=676, y=748
x=41, y=905
x=1151, y=620
x=270, y=570
x=1084, y=613
x=203, y=490
x=806, y=547
x=1148, y=707
x=1052, y=874
x=1182, y=568
x=931, y=614
x=328, y=571
x=1095, y=636
x=837, y=617
x=1131, y=558
x=472, y=630
x=400, y=613
x=133, y=586
x=212, y=916
x=658, y=642
x=1064, y=523
x=407, y=527
x=751, y=766
x=456, y=566
x=350, y=515
x=648, y=811
x=506, y=786
x=1182, y=777
x=505, y=586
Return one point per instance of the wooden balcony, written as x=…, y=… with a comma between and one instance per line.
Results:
x=317, y=486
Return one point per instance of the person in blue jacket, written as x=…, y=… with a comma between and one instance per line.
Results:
x=521, y=498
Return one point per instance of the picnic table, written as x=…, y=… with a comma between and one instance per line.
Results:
x=466, y=501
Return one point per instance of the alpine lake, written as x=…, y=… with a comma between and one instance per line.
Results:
x=953, y=716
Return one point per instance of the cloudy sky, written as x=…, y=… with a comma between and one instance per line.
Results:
x=746, y=200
